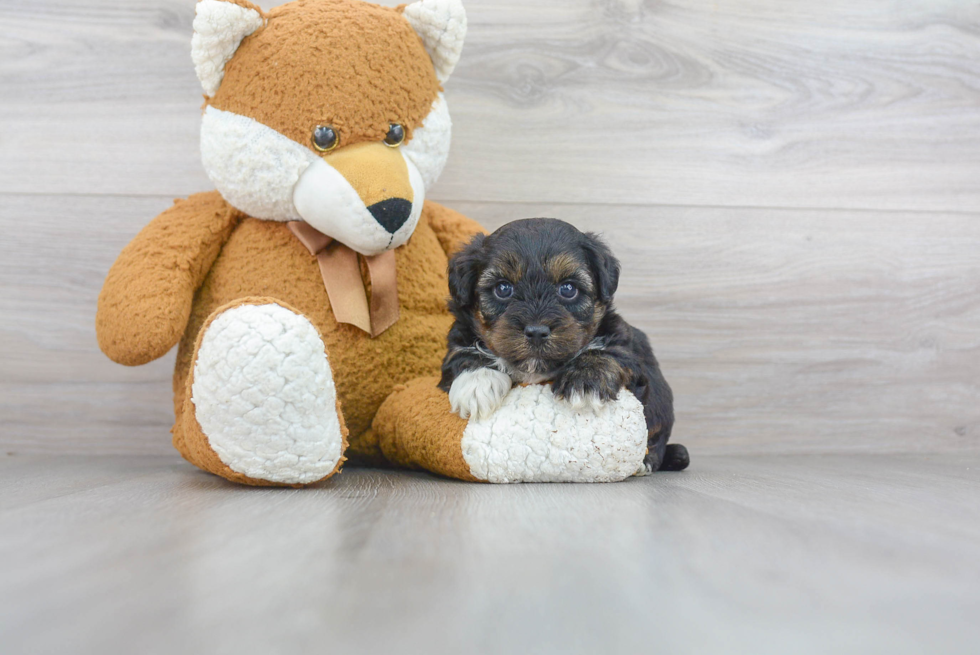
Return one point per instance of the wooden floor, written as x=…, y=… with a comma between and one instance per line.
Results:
x=771, y=554
x=792, y=187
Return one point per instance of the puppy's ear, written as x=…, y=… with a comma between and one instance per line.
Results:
x=604, y=265
x=464, y=272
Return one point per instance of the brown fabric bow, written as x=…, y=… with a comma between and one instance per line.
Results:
x=342, y=278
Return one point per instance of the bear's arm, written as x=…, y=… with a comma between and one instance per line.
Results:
x=146, y=300
x=452, y=228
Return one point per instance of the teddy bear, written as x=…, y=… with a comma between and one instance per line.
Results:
x=307, y=292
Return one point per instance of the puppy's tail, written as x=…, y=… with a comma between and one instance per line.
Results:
x=676, y=458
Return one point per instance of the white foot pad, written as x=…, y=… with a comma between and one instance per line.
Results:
x=535, y=437
x=264, y=395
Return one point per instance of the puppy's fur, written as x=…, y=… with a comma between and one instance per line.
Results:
x=533, y=303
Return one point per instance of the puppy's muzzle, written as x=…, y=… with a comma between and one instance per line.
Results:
x=537, y=334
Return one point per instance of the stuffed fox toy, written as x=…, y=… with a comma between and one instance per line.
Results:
x=308, y=292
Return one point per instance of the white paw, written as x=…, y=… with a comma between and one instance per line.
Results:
x=264, y=395
x=586, y=401
x=478, y=393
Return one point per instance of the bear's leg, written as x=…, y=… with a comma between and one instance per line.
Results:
x=532, y=437
x=260, y=405
x=416, y=429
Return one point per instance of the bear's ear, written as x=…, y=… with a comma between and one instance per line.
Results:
x=219, y=27
x=442, y=26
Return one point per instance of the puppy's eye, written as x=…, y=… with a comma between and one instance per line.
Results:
x=504, y=290
x=325, y=138
x=568, y=291
x=395, y=136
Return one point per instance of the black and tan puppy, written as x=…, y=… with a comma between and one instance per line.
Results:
x=533, y=303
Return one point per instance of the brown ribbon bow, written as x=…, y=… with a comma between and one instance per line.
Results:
x=342, y=278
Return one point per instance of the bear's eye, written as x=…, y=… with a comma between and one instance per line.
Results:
x=568, y=291
x=395, y=136
x=325, y=138
x=503, y=290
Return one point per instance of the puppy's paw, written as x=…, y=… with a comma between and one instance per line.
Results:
x=478, y=393
x=644, y=470
x=586, y=401
x=589, y=382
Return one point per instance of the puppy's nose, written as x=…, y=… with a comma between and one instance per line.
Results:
x=391, y=213
x=537, y=332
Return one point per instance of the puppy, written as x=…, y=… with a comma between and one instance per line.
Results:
x=533, y=304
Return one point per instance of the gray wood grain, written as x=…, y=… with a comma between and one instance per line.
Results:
x=736, y=103
x=843, y=554
x=656, y=123
x=786, y=330
x=792, y=188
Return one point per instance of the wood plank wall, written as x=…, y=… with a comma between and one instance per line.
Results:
x=793, y=187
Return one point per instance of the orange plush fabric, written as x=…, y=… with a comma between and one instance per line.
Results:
x=247, y=5
x=146, y=299
x=149, y=299
x=416, y=429
x=293, y=74
x=263, y=258
x=357, y=67
x=189, y=438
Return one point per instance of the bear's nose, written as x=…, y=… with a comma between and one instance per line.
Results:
x=537, y=332
x=391, y=213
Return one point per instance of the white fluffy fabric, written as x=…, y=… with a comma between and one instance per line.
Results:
x=219, y=28
x=269, y=176
x=429, y=147
x=442, y=26
x=535, y=437
x=264, y=395
x=325, y=200
x=478, y=393
x=254, y=167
